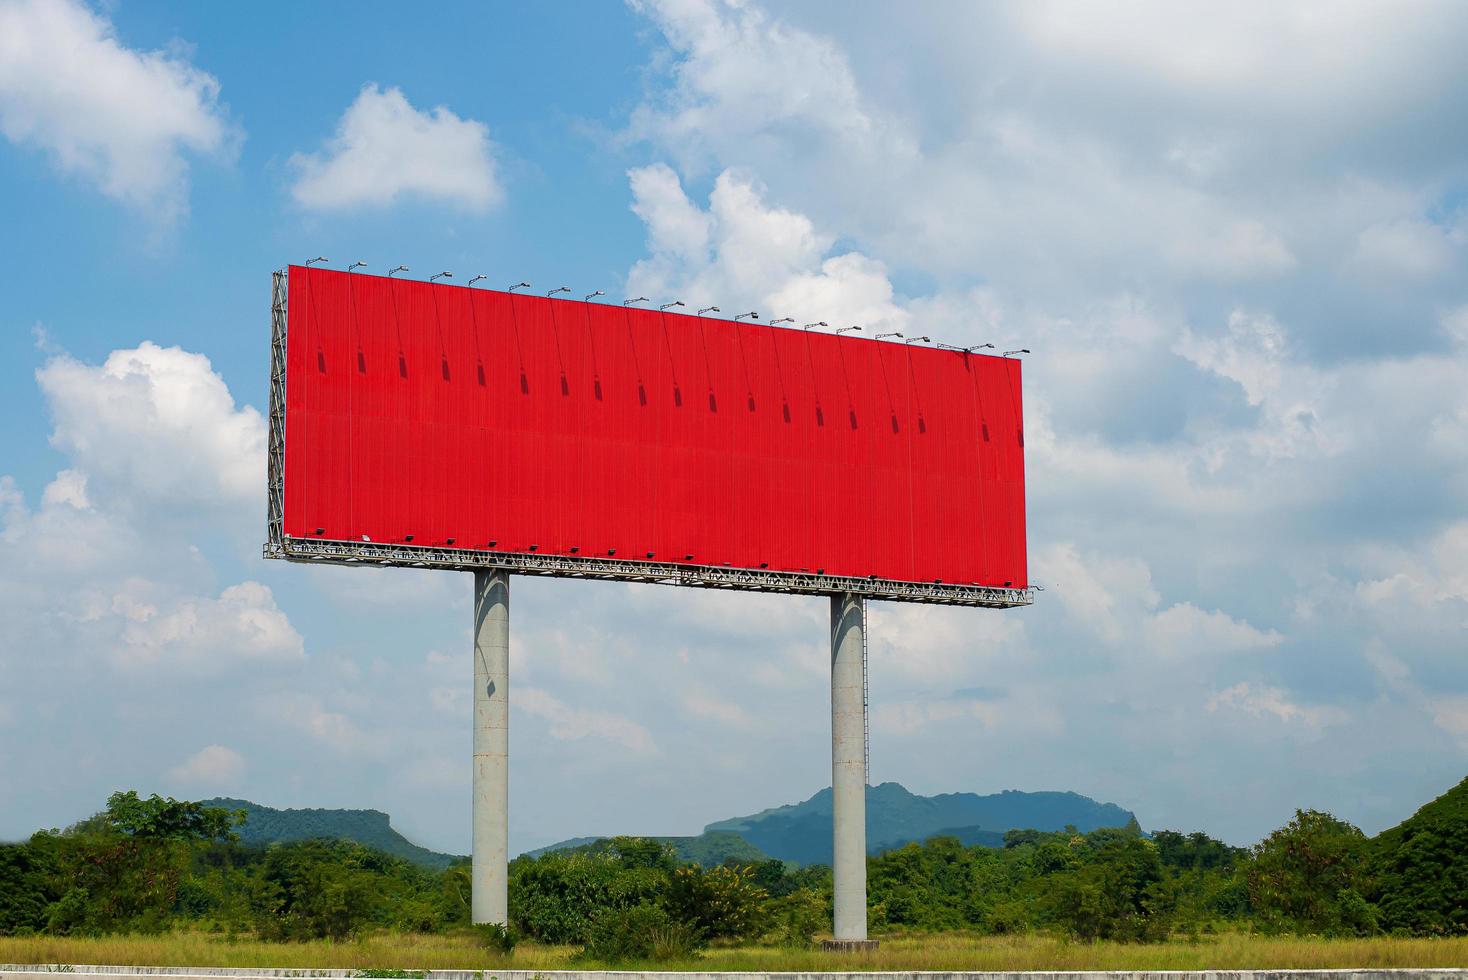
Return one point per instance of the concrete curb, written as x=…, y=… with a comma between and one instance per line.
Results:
x=34, y=972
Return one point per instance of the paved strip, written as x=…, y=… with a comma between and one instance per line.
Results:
x=81, y=972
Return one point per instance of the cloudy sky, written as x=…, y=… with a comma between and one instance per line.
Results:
x=1235, y=237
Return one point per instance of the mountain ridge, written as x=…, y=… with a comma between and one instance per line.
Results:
x=800, y=833
x=268, y=825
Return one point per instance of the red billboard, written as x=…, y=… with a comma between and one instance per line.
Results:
x=434, y=416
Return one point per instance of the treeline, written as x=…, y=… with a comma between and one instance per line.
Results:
x=149, y=865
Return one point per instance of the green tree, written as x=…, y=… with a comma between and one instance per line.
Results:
x=164, y=818
x=1119, y=892
x=1307, y=877
x=1419, y=868
x=320, y=889
x=721, y=903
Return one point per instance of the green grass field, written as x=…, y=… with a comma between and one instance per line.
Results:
x=925, y=951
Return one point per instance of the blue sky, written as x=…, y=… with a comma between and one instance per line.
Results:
x=1235, y=240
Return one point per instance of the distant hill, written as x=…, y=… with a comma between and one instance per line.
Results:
x=709, y=849
x=967, y=836
x=267, y=825
x=1420, y=868
x=801, y=832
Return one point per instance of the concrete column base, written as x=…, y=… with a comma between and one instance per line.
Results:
x=848, y=945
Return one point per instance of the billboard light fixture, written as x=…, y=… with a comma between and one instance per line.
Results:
x=1022, y=350
x=639, y=299
x=592, y=296
x=559, y=289
x=367, y=539
x=475, y=279
x=611, y=551
x=518, y=285
x=708, y=309
x=895, y=333
x=649, y=554
x=841, y=330
x=319, y=258
x=783, y=319
x=819, y=323
x=980, y=347
x=393, y=272
x=913, y=340
x=688, y=558
x=574, y=549
x=751, y=314
x=356, y=265
x=493, y=543
x=668, y=306
x=441, y=275
x=449, y=541
x=407, y=537
x=535, y=547
x=321, y=530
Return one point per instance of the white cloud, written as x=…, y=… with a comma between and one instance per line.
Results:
x=157, y=451
x=721, y=710
x=569, y=724
x=1250, y=354
x=309, y=715
x=1296, y=55
x=69, y=489
x=743, y=251
x=242, y=625
x=1455, y=325
x=385, y=150
x=1433, y=575
x=1235, y=250
x=119, y=118
x=1402, y=249
x=1152, y=149
x=744, y=71
x=905, y=718
x=1450, y=713
x=1105, y=594
x=214, y=765
x=1185, y=632
x=1262, y=701
x=156, y=429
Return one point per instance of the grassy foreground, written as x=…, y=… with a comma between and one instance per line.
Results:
x=922, y=951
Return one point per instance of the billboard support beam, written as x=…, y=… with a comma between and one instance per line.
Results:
x=848, y=772
x=489, y=874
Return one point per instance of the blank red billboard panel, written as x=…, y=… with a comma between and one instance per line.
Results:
x=442, y=416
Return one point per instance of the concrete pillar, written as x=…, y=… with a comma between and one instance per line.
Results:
x=489, y=875
x=848, y=769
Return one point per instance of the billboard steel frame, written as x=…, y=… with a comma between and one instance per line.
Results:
x=321, y=550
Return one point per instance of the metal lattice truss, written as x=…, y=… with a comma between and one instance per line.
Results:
x=372, y=553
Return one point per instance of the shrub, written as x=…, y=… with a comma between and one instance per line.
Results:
x=555, y=898
x=721, y=903
x=640, y=932
x=496, y=937
x=796, y=918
